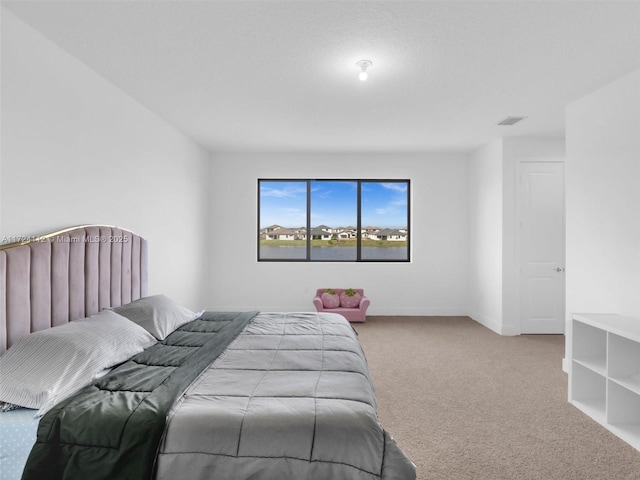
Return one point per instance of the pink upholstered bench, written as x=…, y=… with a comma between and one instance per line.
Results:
x=353, y=314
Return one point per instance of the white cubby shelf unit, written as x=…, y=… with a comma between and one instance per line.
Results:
x=604, y=379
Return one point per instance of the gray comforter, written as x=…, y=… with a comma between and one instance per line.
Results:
x=290, y=399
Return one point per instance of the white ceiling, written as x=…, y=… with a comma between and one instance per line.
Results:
x=281, y=75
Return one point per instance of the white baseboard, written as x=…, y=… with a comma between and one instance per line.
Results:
x=506, y=330
x=418, y=311
x=487, y=323
x=510, y=330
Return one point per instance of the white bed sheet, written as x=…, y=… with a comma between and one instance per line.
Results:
x=18, y=430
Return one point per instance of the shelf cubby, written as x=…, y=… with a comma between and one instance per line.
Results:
x=604, y=377
x=589, y=391
x=624, y=406
x=623, y=413
x=590, y=347
x=623, y=362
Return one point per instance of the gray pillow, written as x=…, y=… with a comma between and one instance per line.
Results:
x=50, y=365
x=157, y=314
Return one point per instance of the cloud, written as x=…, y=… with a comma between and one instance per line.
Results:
x=392, y=207
x=285, y=192
x=384, y=211
x=396, y=187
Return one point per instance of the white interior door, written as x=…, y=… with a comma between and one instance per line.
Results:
x=542, y=242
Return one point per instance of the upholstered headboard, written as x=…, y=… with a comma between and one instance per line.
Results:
x=56, y=278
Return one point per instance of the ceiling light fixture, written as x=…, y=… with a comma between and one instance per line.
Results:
x=363, y=65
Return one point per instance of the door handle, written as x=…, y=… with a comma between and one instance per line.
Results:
x=558, y=269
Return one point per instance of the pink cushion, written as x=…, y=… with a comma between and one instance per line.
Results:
x=349, y=302
x=330, y=300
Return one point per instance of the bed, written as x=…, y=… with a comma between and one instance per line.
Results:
x=178, y=394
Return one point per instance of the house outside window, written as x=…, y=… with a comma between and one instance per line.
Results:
x=334, y=220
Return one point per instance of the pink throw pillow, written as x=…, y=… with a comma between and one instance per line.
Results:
x=347, y=301
x=330, y=300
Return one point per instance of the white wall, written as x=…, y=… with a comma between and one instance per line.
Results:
x=494, y=298
x=434, y=283
x=77, y=150
x=603, y=200
x=485, y=235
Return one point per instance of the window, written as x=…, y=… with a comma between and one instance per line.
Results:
x=333, y=220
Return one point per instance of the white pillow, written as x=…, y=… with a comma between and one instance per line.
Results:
x=158, y=315
x=50, y=365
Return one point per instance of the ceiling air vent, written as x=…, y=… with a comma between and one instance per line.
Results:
x=511, y=120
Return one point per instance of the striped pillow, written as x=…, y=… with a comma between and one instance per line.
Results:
x=50, y=365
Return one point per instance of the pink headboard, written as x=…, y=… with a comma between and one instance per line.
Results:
x=60, y=277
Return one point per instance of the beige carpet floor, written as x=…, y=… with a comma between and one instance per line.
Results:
x=466, y=403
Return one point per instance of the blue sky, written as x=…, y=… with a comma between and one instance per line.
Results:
x=333, y=203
